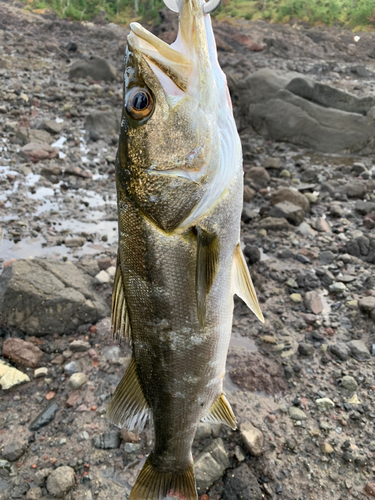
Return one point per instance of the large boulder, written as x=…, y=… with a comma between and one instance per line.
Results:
x=44, y=296
x=96, y=68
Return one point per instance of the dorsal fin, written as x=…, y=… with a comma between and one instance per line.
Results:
x=206, y=269
x=243, y=285
x=119, y=314
x=128, y=408
x=222, y=413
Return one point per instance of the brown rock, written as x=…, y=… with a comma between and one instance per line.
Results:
x=22, y=352
x=313, y=302
x=74, y=399
x=259, y=176
x=370, y=489
x=253, y=438
x=248, y=42
x=248, y=194
x=291, y=195
x=37, y=152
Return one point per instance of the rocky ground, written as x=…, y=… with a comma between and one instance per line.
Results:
x=301, y=385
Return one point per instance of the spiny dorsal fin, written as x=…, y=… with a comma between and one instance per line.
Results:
x=128, y=407
x=243, y=285
x=207, y=265
x=155, y=484
x=120, y=317
x=221, y=413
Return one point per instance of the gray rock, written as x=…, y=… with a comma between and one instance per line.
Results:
x=274, y=163
x=341, y=350
x=41, y=477
x=241, y=484
x=367, y=305
x=359, y=350
x=71, y=368
x=45, y=417
x=305, y=349
x=112, y=353
x=292, y=196
x=253, y=438
x=305, y=229
x=324, y=404
x=34, y=494
x=337, y=287
x=327, y=257
x=107, y=441
x=313, y=302
x=77, y=380
x=248, y=213
x=296, y=413
x=51, y=126
x=336, y=210
x=42, y=296
x=252, y=253
x=329, y=97
x=349, y=383
x=79, y=346
x=358, y=168
x=14, y=451
x=288, y=117
x=60, y=481
x=97, y=68
x=292, y=213
x=274, y=224
x=355, y=189
x=210, y=464
x=217, y=451
x=103, y=123
x=364, y=207
x=259, y=176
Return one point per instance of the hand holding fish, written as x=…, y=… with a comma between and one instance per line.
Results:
x=179, y=184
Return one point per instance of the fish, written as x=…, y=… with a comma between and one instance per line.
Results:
x=179, y=179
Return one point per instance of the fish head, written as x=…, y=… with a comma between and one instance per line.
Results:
x=176, y=113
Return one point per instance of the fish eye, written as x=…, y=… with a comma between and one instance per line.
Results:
x=139, y=103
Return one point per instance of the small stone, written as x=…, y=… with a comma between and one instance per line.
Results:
x=34, y=493
x=132, y=448
x=259, y=177
x=22, y=352
x=239, y=453
x=77, y=380
x=349, y=383
x=324, y=404
x=296, y=413
x=41, y=372
x=327, y=257
x=248, y=194
x=79, y=346
x=292, y=196
x=358, y=350
x=203, y=431
x=252, y=252
x=60, y=481
x=296, y=298
x=272, y=163
x=326, y=449
x=305, y=349
x=210, y=464
x=305, y=229
x=289, y=211
x=269, y=339
x=71, y=368
x=10, y=377
x=41, y=477
x=313, y=302
x=370, y=489
x=367, y=304
x=73, y=400
x=45, y=417
x=337, y=287
x=285, y=174
x=13, y=451
x=341, y=350
x=74, y=242
x=107, y=441
x=253, y=438
x=35, y=152
x=311, y=197
x=102, y=277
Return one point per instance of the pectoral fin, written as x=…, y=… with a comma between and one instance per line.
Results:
x=243, y=285
x=206, y=270
x=128, y=407
x=222, y=413
x=120, y=317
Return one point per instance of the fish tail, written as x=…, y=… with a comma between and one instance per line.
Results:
x=155, y=485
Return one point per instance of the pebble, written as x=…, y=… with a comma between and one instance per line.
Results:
x=337, y=287
x=341, y=350
x=79, y=346
x=22, y=352
x=77, y=380
x=45, y=417
x=13, y=451
x=326, y=449
x=60, y=481
x=296, y=298
x=10, y=377
x=71, y=368
x=34, y=494
x=349, y=383
x=41, y=372
x=313, y=302
x=102, y=277
x=108, y=440
x=370, y=489
x=253, y=438
x=324, y=404
x=296, y=413
x=358, y=350
x=210, y=464
x=305, y=349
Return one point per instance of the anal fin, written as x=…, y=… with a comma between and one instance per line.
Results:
x=244, y=287
x=155, y=484
x=221, y=413
x=128, y=407
x=119, y=314
x=206, y=269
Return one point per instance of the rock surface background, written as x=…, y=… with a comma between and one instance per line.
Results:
x=302, y=384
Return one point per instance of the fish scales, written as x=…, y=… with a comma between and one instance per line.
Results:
x=179, y=185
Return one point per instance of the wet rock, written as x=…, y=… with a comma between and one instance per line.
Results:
x=71, y=368
x=349, y=383
x=292, y=213
x=96, y=68
x=107, y=441
x=10, y=377
x=296, y=413
x=241, y=484
x=40, y=296
x=324, y=404
x=292, y=196
x=305, y=349
x=210, y=465
x=341, y=350
x=22, y=352
x=313, y=302
x=77, y=380
x=45, y=417
x=35, y=152
x=274, y=224
x=359, y=350
x=253, y=438
x=103, y=123
x=259, y=176
x=13, y=451
x=60, y=481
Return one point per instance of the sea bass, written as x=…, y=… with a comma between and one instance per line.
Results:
x=179, y=185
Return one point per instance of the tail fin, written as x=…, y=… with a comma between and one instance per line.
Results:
x=154, y=485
